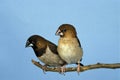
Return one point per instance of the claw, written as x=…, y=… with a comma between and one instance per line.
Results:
x=63, y=69
x=44, y=69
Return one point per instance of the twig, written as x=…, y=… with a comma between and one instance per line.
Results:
x=84, y=68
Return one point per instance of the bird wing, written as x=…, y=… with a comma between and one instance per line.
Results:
x=78, y=41
x=53, y=47
x=80, y=47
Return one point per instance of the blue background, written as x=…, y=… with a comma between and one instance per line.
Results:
x=96, y=22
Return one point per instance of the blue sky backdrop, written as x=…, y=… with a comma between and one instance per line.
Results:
x=96, y=22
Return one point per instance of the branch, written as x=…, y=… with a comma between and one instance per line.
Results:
x=84, y=68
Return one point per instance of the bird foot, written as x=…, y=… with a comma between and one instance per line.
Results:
x=44, y=69
x=62, y=70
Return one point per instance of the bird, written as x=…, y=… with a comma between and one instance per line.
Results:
x=69, y=47
x=45, y=51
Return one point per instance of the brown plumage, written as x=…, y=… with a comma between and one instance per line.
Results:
x=45, y=50
x=69, y=47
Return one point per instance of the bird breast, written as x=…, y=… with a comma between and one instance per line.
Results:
x=50, y=58
x=69, y=50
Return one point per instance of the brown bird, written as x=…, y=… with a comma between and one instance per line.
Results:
x=45, y=51
x=69, y=47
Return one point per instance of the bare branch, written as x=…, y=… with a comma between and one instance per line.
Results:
x=84, y=68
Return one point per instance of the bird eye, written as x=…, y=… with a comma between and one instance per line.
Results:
x=64, y=30
x=33, y=42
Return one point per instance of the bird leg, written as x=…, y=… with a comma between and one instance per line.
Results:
x=78, y=67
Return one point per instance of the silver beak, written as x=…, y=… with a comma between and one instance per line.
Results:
x=59, y=33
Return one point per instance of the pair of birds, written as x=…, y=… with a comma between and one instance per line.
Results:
x=68, y=51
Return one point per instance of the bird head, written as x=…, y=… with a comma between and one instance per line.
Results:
x=35, y=41
x=31, y=41
x=66, y=30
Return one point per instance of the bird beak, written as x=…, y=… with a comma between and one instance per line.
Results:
x=28, y=44
x=59, y=33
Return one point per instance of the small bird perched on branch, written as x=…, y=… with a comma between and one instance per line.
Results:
x=69, y=47
x=45, y=51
